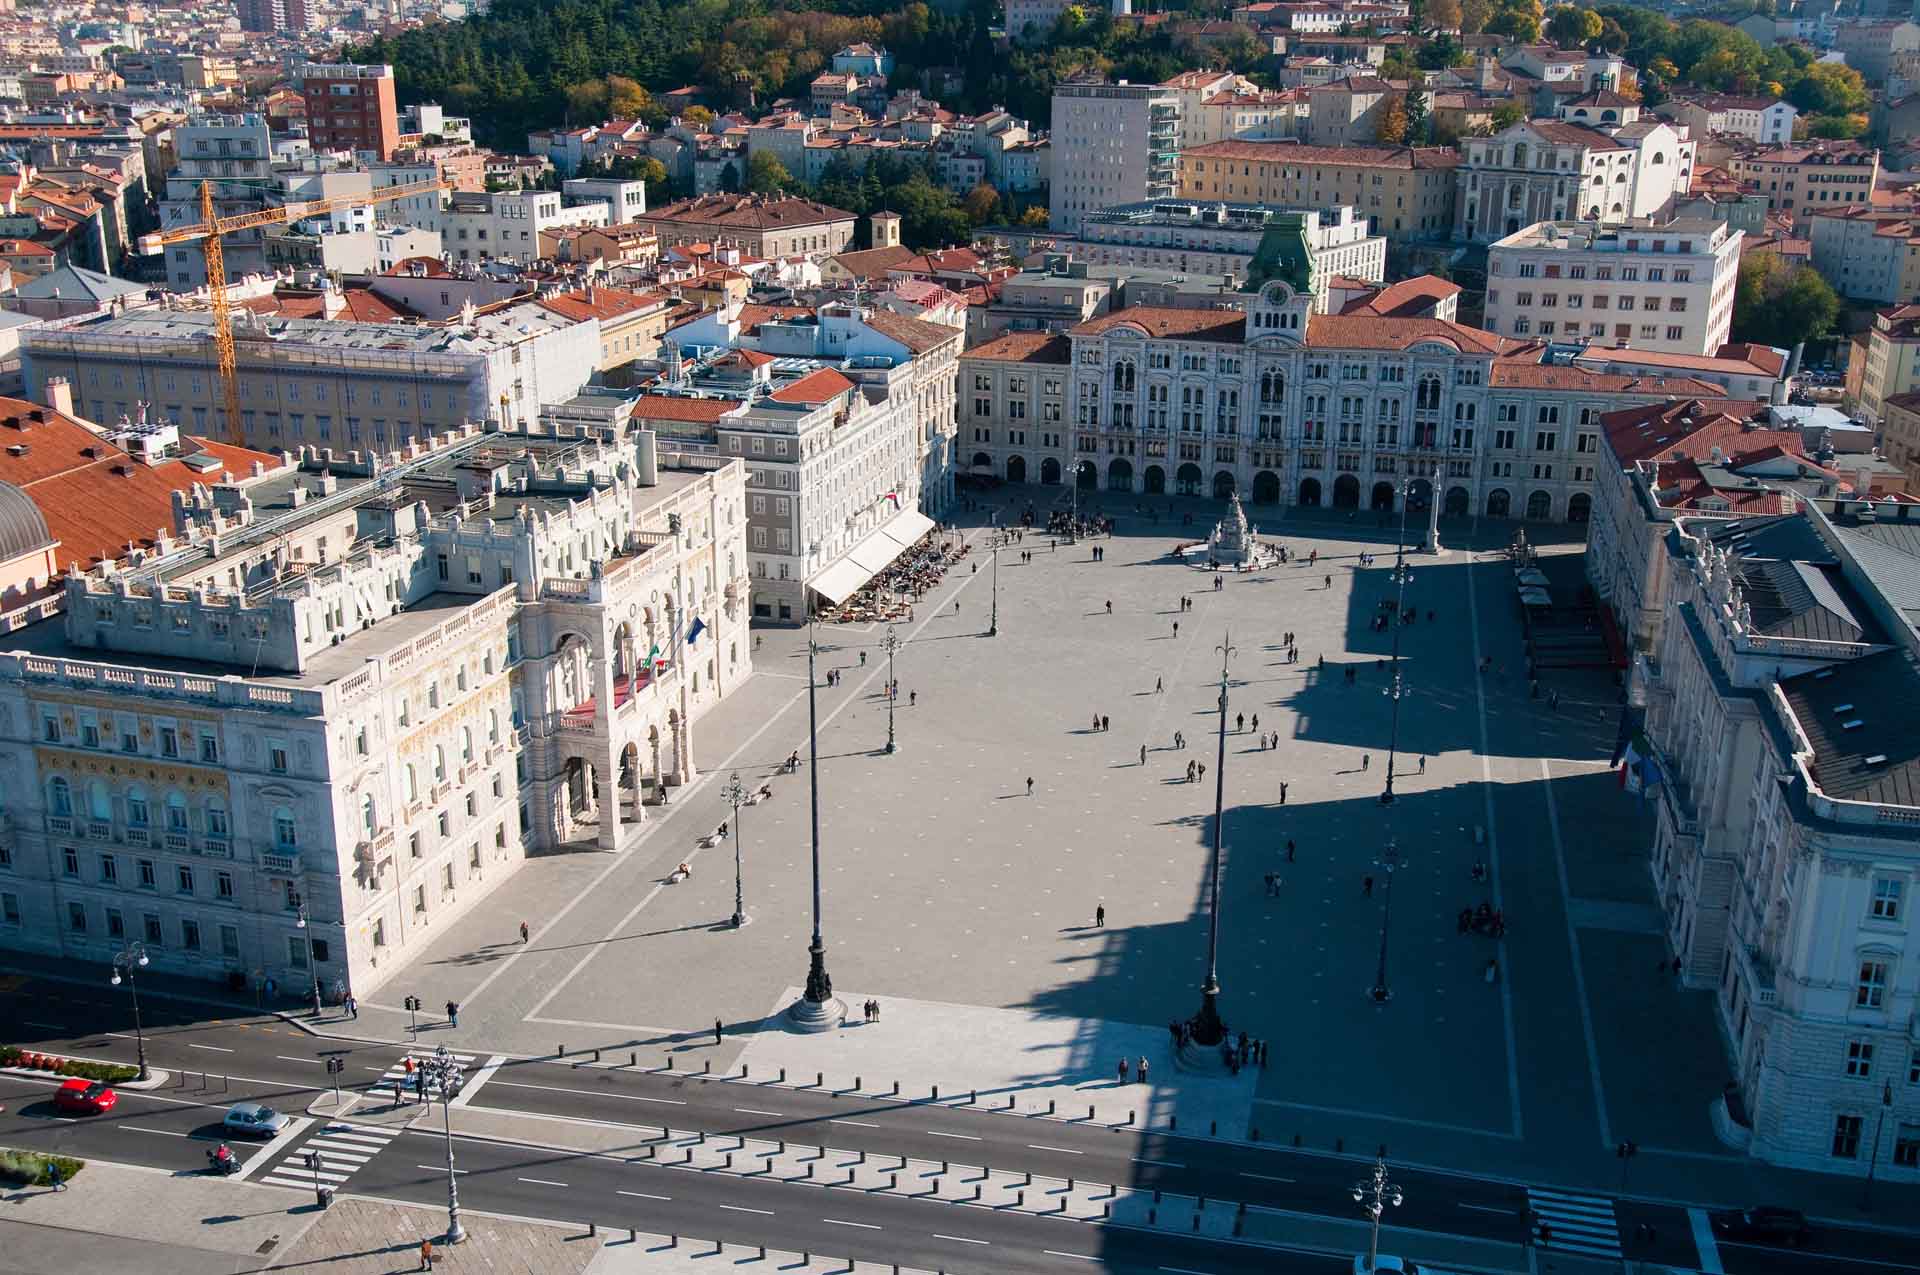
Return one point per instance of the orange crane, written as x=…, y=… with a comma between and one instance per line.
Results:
x=209, y=229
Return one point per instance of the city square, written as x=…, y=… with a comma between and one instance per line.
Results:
x=946, y=884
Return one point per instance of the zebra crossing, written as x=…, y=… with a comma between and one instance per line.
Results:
x=397, y=1074
x=337, y=1148
x=1575, y=1223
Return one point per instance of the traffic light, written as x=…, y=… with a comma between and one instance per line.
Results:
x=412, y=1003
x=335, y=1066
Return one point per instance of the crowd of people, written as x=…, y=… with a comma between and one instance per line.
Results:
x=891, y=593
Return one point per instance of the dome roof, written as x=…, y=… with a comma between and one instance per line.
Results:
x=22, y=529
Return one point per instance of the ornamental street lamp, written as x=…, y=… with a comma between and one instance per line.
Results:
x=131, y=957
x=816, y=1010
x=890, y=644
x=1205, y=1028
x=736, y=794
x=993, y=621
x=1388, y=863
x=1401, y=574
x=1373, y=1195
x=443, y=1072
x=313, y=970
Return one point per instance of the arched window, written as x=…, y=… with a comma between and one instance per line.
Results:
x=493, y=726
x=137, y=807
x=283, y=830
x=1429, y=394
x=60, y=797
x=466, y=743
x=216, y=817
x=99, y=801
x=413, y=784
x=369, y=815
x=439, y=764
x=176, y=812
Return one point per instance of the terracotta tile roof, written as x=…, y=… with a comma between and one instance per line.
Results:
x=870, y=263
x=672, y=407
x=599, y=303
x=1525, y=374
x=1408, y=298
x=917, y=335
x=1561, y=133
x=1370, y=332
x=815, y=387
x=1024, y=347
x=23, y=248
x=748, y=212
x=1167, y=323
x=365, y=306
x=1284, y=152
x=1681, y=484
x=1691, y=426
x=752, y=316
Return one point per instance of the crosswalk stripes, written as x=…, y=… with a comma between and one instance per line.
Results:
x=339, y=1149
x=1575, y=1223
x=397, y=1074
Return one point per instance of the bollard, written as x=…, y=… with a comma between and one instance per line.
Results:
x=1020, y=1199
x=896, y=1090
x=1296, y=1139
x=1200, y=1203
x=893, y=1180
x=593, y=1228
x=223, y=1083
x=1063, y=1205
x=1131, y=1113
x=706, y=1066
x=633, y=1058
x=650, y=1151
x=596, y=1055
x=809, y=1172
x=1009, y=1102
x=783, y=1075
x=1213, y=1128
x=1196, y=1221
x=1156, y=1195
x=943, y=1166
x=669, y=1062
x=673, y=1241
x=1173, y=1122
x=819, y=1079
x=936, y=1093
x=743, y=1071
x=862, y=1159
x=973, y=1097
x=1153, y=1216
x=1049, y=1106
x=1106, y=1210
x=1383, y=1151
x=783, y=1146
x=1089, y=1111
x=806, y=1258
x=859, y=1083
x=1339, y=1144
x=1026, y=1179
x=561, y=1052
x=1253, y=1134
x=763, y=1252
x=729, y=1163
x=633, y=1235
x=703, y=1137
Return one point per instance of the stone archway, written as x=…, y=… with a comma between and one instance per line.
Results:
x=1016, y=469
x=1310, y=493
x=1458, y=502
x=1380, y=500
x=1499, y=503
x=983, y=462
x=1266, y=488
x=1120, y=474
x=1187, y=480
x=1223, y=485
x=1346, y=492
x=1579, y=507
x=1155, y=480
x=1050, y=472
x=1419, y=495
x=1539, y=506
x=1086, y=475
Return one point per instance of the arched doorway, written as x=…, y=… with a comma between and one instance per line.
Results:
x=1381, y=501
x=1187, y=480
x=1050, y=472
x=1458, y=502
x=1156, y=480
x=1120, y=475
x=1087, y=475
x=1266, y=488
x=1539, y=506
x=1310, y=493
x=1419, y=495
x=1499, y=503
x=1579, y=507
x=1016, y=469
x=982, y=461
x=629, y=784
x=1346, y=492
x=1222, y=485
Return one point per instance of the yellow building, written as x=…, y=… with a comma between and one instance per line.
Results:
x=630, y=322
x=1404, y=192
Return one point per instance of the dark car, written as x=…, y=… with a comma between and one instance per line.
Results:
x=1765, y=1225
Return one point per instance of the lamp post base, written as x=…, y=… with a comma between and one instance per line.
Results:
x=816, y=1016
x=1379, y=993
x=456, y=1234
x=740, y=921
x=1203, y=1060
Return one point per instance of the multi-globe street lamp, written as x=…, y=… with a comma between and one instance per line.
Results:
x=1206, y=1029
x=817, y=1009
x=442, y=1072
x=736, y=794
x=131, y=957
x=1373, y=1194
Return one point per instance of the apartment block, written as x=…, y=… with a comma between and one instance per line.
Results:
x=1112, y=144
x=351, y=108
x=1403, y=192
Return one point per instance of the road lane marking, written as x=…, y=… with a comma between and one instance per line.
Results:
x=755, y=1111
x=212, y=1049
x=1054, y=1252
x=959, y=1239
x=1164, y=1164
x=741, y=1208
x=966, y=1137
x=140, y=1128
x=479, y=1078
x=1035, y=1146
x=58, y=1027
x=1704, y=1241
x=643, y=1195
x=122, y=1035
x=1483, y=1208
x=591, y=1093
x=865, y=1226
x=1264, y=1177
x=1181, y=1270
x=441, y=1168
x=864, y=1124
x=542, y=1182
x=289, y=1058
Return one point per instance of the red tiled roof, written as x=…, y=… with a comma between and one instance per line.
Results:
x=1024, y=347
x=1409, y=297
x=599, y=303
x=669, y=407
x=1371, y=332
x=1167, y=323
x=815, y=387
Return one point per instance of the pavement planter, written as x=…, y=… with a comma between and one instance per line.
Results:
x=41, y=1064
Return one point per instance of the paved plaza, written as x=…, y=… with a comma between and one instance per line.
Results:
x=947, y=884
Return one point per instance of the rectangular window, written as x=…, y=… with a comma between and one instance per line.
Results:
x=1886, y=898
x=186, y=879
x=277, y=760
x=297, y=951
x=148, y=879
x=156, y=937
x=229, y=940
x=10, y=908
x=116, y=924
x=1846, y=1137
x=1871, y=991
x=1859, y=1059
x=69, y=862
x=109, y=870
x=1906, y=1146
x=223, y=885
x=77, y=917
x=190, y=935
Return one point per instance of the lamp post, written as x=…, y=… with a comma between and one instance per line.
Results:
x=1373, y=1195
x=1873, y=1160
x=816, y=1010
x=736, y=794
x=1401, y=574
x=131, y=957
x=313, y=972
x=1388, y=862
x=1205, y=1029
x=442, y=1071
x=993, y=620
x=890, y=644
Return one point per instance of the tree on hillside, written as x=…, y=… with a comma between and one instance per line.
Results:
x=1780, y=304
x=1571, y=27
x=586, y=101
x=1391, y=127
x=766, y=175
x=1828, y=88
x=1034, y=217
x=1517, y=18
x=697, y=116
x=981, y=203
x=1474, y=16
x=1419, y=123
x=1443, y=15
x=1507, y=114
x=1837, y=127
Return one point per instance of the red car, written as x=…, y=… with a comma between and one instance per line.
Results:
x=87, y=1097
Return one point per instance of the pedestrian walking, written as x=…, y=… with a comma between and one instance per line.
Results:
x=524, y=931
x=1143, y=754
x=1203, y=771
x=453, y=1013
x=1256, y=721
x=1366, y=760
x=1100, y=917
x=1283, y=801
x=716, y=1031
x=1106, y=724
x=1123, y=1070
x=1158, y=686
x=1283, y=792
x=55, y=1178
x=1189, y=771
x=353, y=1006
x=426, y=1255
x=956, y=606
x=863, y=659
x=1176, y=628
x=1423, y=763
x=1029, y=785
x=1240, y=723
x=1141, y=1067
x=1328, y=582
x=1366, y=887
x=1109, y=606
x=913, y=698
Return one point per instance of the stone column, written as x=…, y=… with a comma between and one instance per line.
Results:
x=1430, y=542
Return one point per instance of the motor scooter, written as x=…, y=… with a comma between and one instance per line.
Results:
x=225, y=1166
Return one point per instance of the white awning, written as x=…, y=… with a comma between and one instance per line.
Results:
x=873, y=554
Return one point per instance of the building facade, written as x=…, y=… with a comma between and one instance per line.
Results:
x=1867, y=254
x=1766, y=120
x=1403, y=192
x=759, y=226
x=1112, y=144
x=1223, y=237
x=1555, y=170
x=351, y=108
x=1566, y=280
x=1804, y=178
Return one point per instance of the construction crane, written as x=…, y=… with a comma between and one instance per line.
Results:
x=209, y=230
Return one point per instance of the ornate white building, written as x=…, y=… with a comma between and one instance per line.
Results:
x=361, y=694
x=1596, y=164
x=1780, y=717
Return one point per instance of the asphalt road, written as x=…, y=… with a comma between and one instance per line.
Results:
x=261, y=1058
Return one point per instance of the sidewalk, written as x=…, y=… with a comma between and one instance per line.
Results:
x=371, y=1237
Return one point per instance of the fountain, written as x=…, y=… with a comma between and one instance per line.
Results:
x=1231, y=544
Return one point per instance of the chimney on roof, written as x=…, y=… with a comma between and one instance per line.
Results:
x=59, y=395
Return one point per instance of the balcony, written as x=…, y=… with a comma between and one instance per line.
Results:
x=217, y=847
x=278, y=862
x=100, y=830
x=179, y=841
x=139, y=835
x=60, y=825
